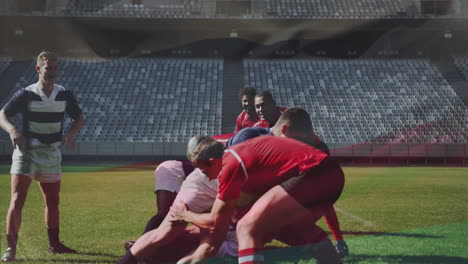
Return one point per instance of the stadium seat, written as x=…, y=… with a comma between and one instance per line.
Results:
x=139, y=100
x=380, y=101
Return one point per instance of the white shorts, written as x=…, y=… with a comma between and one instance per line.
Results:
x=229, y=246
x=40, y=162
x=169, y=176
x=198, y=192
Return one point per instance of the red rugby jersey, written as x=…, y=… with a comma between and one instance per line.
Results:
x=256, y=165
x=245, y=120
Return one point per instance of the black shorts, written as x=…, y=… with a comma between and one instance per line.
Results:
x=318, y=188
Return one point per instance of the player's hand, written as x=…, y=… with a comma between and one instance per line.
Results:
x=69, y=141
x=17, y=139
x=177, y=211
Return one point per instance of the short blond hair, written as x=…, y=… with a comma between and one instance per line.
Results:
x=46, y=56
x=206, y=149
x=192, y=144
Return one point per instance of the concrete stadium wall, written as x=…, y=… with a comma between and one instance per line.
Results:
x=399, y=150
x=336, y=149
x=115, y=149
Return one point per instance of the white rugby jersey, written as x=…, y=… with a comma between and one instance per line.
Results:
x=43, y=116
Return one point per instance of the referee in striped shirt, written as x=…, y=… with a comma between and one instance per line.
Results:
x=36, y=154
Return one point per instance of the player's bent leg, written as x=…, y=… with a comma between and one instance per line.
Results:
x=184, y=245
x=274, y=210
x=203, y=251
x=149, y=242
x=331, y=219
x=312, y=239
x=207, y=248
x=298, y=234
x=164, y=200
x=168, y=178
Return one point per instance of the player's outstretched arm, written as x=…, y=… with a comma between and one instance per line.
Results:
x=214, y=224
x=219, y=216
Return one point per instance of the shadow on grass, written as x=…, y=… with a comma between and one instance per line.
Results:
x=406, y=259
x=299, y=255
x=79, y=259
x=95, y=254
x=29, y=261
x=287, y=258
x=357, y=233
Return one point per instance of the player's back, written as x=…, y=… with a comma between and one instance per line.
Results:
x=269, y=160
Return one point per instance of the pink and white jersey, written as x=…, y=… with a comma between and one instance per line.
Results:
x=255, y=166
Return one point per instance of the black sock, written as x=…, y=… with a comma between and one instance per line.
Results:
x=128, y=259
x=154, y=222
x=12, y=240
x=53, y=237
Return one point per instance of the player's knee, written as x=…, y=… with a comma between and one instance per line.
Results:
x=52, y=206
x=246, y=227
x=52, y=202
x=205, y=250
x=187, y=260
x=17, y=201
x=152, y=237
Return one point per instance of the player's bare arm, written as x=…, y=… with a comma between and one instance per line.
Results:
x=215, y=223
x=17, y=139
x=69, y=138
x=220, y=213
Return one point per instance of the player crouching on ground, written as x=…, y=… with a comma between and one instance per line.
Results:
x=296, y=123
x=174, y=240
x=295, y=185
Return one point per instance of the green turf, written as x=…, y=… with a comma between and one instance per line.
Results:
x=388, y=215
x=5, y=169
x=436, y=244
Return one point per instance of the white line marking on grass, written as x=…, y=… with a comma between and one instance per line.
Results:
x=355, y=217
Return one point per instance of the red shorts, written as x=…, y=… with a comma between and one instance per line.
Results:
x=319, y=188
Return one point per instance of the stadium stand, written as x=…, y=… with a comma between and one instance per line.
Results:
x=283, y=9
x=462, y=65
x=378, y=101
x=145, y=9
x=151, y=106
x=88, y=6
x=336, y=8
x=143, y=100
x=256, y=9
x=4, y=62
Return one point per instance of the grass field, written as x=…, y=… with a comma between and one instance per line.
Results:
x=388, y=215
